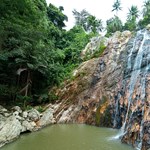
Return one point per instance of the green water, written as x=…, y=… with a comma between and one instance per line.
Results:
x=69, y=137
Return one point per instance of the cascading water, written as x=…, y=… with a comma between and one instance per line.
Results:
x=134, y=76
x=135, y=68
x=135, y=73
x=143, y=92
x=131, y=51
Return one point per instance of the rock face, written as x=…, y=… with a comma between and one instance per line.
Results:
x=94, y=45
x=113, y=90
x=47, y=118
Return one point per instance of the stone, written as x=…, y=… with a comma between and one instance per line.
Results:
x=47, y=118
x=126, y=34
x=33, y=115
x=28, y=126
x=10, y=130
x=2, y=121
x=7, y=114
x=94, y=45
x=111, y=90
x=148, y=27
x=16, y=113
x=25, y=114
x=17, y=108
x=66, y=115
x=2, y=109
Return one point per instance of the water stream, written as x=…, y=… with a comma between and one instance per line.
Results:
x=135, y=72
x=138, y=53
x=69, y=137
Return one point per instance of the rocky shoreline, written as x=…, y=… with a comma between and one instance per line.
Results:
x=15, y=122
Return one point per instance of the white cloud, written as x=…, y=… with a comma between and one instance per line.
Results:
x=100, y=8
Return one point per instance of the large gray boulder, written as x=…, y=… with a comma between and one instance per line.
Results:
x=28, y=126
x=10, y=130
x=33, y=115
x=47, y=118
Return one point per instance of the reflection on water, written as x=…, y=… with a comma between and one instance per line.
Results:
x=69, y=137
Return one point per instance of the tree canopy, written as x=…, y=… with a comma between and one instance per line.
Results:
x=35, y=49
x=89, y=22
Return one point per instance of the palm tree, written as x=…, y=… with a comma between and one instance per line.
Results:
x=114, y=24
x=117, y=6
x=133, y=13
x=146, y=15
x=146, y=9
x=94, y=25
x=80, y=17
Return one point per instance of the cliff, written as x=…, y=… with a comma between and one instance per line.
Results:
x=112, y=90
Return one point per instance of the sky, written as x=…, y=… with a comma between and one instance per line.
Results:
x=99, y=8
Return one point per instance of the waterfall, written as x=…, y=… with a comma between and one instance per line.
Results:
x=136, y=71
x=130, y=54
x=140, y=49
x=143, y=94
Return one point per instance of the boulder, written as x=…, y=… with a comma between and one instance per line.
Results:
x=2, y=121
x=2, y=109
x=10, y=130
x=47, y=118
x=28, y=126
x=17, y=108
x=25, y=114
x=33, y=115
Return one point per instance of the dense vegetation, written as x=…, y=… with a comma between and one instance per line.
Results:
x=36, y=52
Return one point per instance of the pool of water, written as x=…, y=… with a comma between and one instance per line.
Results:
x=69, y=137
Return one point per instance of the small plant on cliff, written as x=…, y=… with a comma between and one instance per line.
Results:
x=100, y=51
x=97, y=52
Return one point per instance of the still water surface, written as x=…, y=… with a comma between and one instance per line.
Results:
x=69, y=137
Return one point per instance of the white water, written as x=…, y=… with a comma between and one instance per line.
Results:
x=130, y=54
x=135, y=74
x=143, y=94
